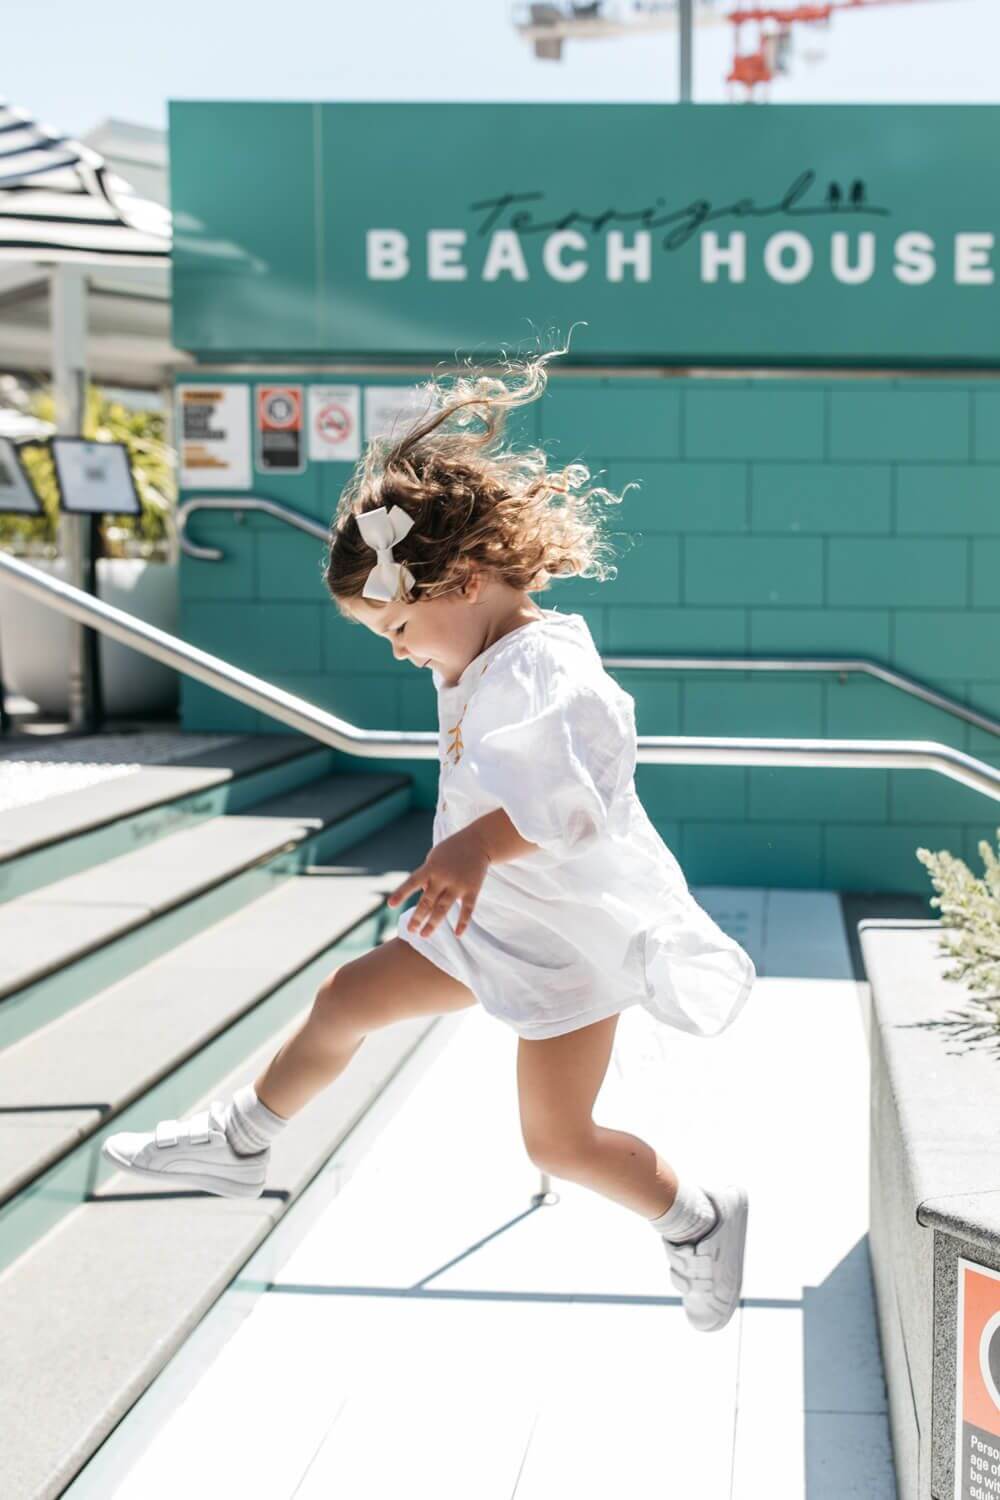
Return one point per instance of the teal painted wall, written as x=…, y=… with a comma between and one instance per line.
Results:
x=776, y=516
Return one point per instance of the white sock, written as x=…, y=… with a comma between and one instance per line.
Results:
x=250, y=1125
x=689, y=1217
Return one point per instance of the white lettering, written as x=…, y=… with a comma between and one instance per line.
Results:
x=444, y=255
x=788, y=239
x=972, y=266
x=569, y=239
x=915, y=258
x=505, y=254
x=787, y=256
x=387, y=257
x=620, y=255
x=842, y=269
x=713, y=256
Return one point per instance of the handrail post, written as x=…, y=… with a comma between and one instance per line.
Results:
x=69, y=390
x=5, y=719
x=544, y=1190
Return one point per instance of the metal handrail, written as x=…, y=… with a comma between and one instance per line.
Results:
x=239, y=502
x=839, y=664
x=415, y=744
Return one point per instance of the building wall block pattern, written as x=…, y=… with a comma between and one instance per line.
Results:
x=769, y=516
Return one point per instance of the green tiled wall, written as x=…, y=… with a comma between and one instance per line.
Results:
x=774, y=516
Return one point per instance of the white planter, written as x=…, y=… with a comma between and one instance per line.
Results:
x=35, y=639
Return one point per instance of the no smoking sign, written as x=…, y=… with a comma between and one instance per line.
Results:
x=334, y=423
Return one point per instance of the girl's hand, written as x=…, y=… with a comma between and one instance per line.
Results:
x=453, y=871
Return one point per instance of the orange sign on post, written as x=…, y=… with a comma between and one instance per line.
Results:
x=977, y=1372
x=279, y=429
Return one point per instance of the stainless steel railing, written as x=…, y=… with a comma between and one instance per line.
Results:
x=239, y=503
x=841, y=665
x=298, y=713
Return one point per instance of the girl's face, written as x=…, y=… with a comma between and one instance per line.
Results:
x=445, y=633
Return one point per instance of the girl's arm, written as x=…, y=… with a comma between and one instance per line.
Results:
x=498, y=836
x=455, y=869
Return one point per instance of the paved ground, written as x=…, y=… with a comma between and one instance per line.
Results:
x=415, y=1327
x=43, y=765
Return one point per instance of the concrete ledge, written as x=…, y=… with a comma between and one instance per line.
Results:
x=935, y=1183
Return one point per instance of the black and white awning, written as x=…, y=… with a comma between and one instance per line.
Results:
x=60, y=201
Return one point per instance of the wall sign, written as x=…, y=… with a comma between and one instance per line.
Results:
x=16, y=493
x=677, y=233
x=213, y=436
x=334, y=423
x=390, y=409
x=279, y=429
x=977, y=1373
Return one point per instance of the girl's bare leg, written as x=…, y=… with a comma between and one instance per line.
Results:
x=558, y=1079
x=390, y=983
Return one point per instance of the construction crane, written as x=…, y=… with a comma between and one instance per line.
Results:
x=548, y=25
x=774, y=46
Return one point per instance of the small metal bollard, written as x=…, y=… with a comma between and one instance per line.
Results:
x=545, y=1197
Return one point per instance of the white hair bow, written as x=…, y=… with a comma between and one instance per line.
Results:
x=381, y=529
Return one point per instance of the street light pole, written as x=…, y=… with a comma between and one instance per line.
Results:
x=684, y=7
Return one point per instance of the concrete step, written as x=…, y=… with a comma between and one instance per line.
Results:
x=119, y=1273
x=69, y=1079
x=60, y=835
x=75, y=936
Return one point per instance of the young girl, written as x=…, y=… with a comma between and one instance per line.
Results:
x=547, y=896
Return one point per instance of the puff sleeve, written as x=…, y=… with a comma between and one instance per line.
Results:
x=555, y=752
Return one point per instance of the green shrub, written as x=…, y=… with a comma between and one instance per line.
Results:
x=970, y=912
x=153, y=465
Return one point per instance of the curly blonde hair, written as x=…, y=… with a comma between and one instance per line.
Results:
x=475, y=503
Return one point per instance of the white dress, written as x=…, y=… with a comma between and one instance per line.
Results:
x=599, y=917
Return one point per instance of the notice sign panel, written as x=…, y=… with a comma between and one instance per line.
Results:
x=16, y=494
x=279, y=429
x=94, y=478
x=334, y=423
x=391, y=409
x=977, y=1370
x=213, y=429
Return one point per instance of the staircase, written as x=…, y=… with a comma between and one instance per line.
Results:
x=161, y=935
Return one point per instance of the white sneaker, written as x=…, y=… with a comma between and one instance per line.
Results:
x=709, y=1271
x=193, y=1153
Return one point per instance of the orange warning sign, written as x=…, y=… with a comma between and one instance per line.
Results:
x=279, y=407
x=977, y=1371
x=279, y=429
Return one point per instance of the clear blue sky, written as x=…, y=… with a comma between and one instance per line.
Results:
x=72, y=66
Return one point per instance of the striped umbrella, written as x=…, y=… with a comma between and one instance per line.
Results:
x=60, y=201
x=62, y=206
